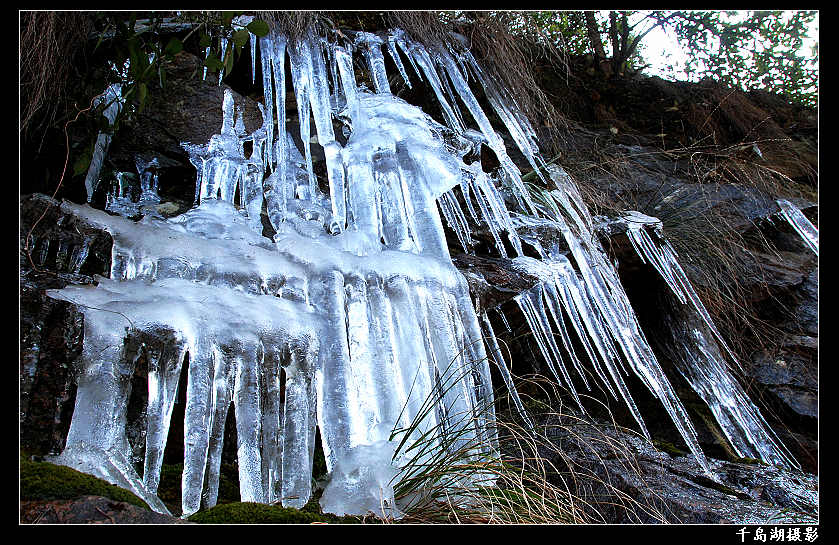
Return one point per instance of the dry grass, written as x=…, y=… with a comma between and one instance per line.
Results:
x=49, y=40
x=533, y=479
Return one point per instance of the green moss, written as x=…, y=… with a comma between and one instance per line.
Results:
x=708, y=483
x=46, y=481
x=258, y=513
x=749, y=461
x=669, y=448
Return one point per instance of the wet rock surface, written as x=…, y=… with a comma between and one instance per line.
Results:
x=672, y=487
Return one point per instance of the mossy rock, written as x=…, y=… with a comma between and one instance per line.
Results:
x=258, y=513
x=46, y=481
x=669, y=448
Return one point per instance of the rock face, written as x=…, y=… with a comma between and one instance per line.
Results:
x=64, y=250
x=613, y=466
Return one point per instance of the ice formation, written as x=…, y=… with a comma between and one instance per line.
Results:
x=804, y=227
x=352, y=317
x=111, y=97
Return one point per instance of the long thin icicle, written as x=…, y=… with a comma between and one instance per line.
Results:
x=808, y=232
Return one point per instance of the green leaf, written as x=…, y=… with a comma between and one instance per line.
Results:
x=240, y=37
x=82, y=163
x=228, y=61
x=174, y=47
x=205, y=41
x=259, y=28
x=213, y=63
x=142, y=92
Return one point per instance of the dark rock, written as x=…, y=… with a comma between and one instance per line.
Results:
x=90, y=510
x=612, y=466
x=492, y=281
x=65, y=249
x=61, y=242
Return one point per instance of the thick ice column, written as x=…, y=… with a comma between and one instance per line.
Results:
x=360, y=379
x=476, y=357
x=103, y=387
x=301, y=72
x=272, y=419
x=345, y=68
x=388, y=383
x=322, y=108
x=299, y=424
x=334, y=410
x=96, y=442
x=245, y=355
x=426, y=227
x=252, y=194
x=413, y=361
x=457, y=387
x=165, y=354
x=394, y=219
x=363, y=196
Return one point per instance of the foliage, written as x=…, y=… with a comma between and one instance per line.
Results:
x=142, y=48
x=755, y=49
x=745, y=49
x=48, y=40
x=448, y=475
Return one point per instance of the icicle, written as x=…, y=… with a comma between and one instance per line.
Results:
x=206, y=56
x=419, y=55
x=808, y=232
x=223, y=43
x=253, y=56
x=739, y=419
x=112, y=98
x=301, y=72
x=498, y=359
x=394, y=54
x=267, y=52
x=375, y=60
x=321, y=107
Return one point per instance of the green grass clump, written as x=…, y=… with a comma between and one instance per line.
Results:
x=258, y=513
x=46, y=481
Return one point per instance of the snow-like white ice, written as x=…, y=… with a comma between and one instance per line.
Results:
x=352, y=318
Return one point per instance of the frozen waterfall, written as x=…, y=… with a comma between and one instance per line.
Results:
x=353, y=316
